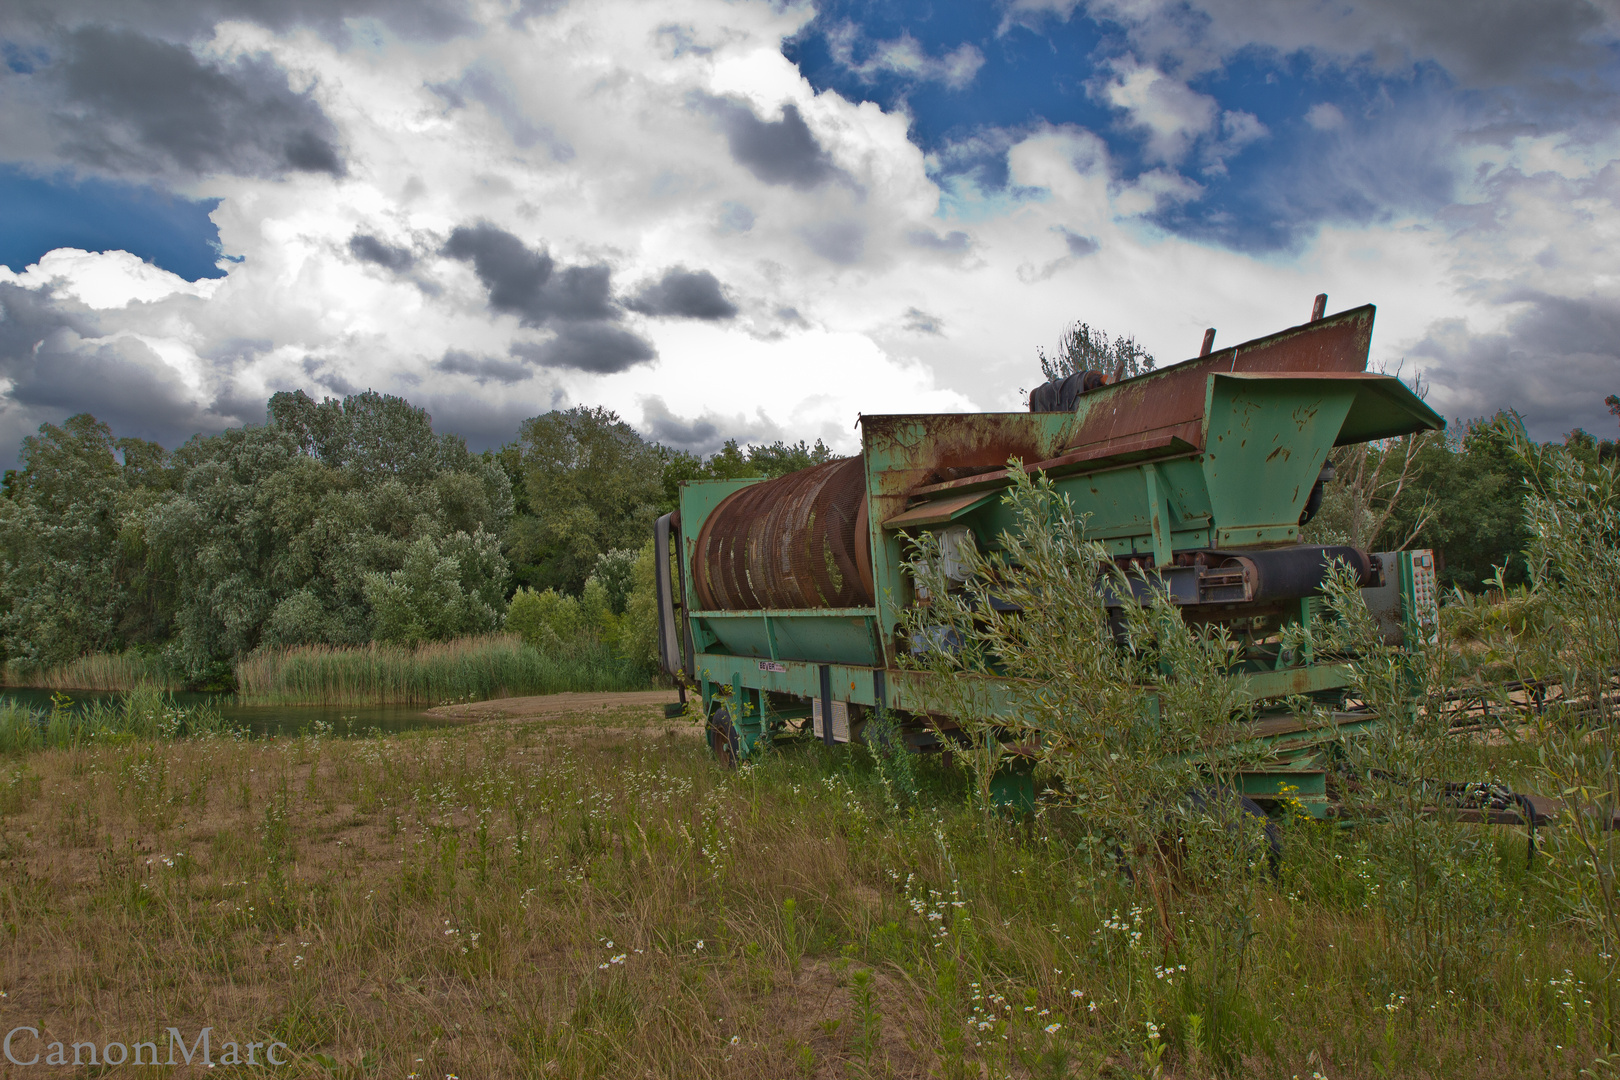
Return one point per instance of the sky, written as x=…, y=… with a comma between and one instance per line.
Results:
x=759, y=220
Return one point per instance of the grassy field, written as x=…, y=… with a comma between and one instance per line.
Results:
x=594, y=896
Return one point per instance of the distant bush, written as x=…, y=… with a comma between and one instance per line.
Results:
x=546, y=620
x=554, y=622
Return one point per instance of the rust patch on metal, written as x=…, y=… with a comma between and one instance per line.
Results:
x=926, y=449
x=792, y=542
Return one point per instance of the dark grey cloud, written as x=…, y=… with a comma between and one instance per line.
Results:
x=839, y=241
x=582, y=292
x=486, y=424
x=531, y=9
x=685, y=294
x=701, y=435
x=1525, y=44
x=704, y=434
x=128, y=102
x=1079, y=245
x=430, y=20
x=483, y=368
x=56, y=367
x=1554, y=363
x=598, y=348
x=526, y=283
x=485, y=87
x=954, y=242
x=324, y=373
x=368, y=248
x=781, y=151
x=1496, y=42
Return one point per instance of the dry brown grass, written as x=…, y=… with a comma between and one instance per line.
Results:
x=452, y=903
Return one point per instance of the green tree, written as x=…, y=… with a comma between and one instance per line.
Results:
x=679, y=466
x=547, y=620
x=372, y=435
x=273, y=533
x=1473, y=488
x=638, y=627
x=733, y=460
x=62, y=576
x=616, y=571
x=1083, y=347
x=593, y=484
x=446, y=588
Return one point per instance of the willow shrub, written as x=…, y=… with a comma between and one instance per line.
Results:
x=1572, y=515
x=1443, y=890
x=1133, y=722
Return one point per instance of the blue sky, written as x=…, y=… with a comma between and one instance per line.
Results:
x=1264, y=195
x=496, y=207
x=44, y=212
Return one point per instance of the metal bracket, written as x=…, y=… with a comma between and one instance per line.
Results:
x=1158, y=515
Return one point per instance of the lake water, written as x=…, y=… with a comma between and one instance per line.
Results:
x=261, y=720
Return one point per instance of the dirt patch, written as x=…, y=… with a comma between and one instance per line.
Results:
x=649, y=703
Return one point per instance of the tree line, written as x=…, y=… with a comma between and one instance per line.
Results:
x=1459, y=492
x=342, y=522
x=337, y=522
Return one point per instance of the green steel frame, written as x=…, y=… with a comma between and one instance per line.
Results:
x=1263, y=439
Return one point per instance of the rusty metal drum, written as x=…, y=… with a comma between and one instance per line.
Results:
x=798, y=541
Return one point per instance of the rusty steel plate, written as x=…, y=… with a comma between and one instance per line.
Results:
x=1169, y=403
x=791, y=542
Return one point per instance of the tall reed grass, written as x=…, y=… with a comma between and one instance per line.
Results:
x=144, y=712
x=466, y=669
x=99, y=671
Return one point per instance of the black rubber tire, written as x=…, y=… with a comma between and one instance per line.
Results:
x=1273, y=834
x=722, y=736
x=1274, y=843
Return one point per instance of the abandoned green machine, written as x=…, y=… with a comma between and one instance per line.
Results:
x=784, y=609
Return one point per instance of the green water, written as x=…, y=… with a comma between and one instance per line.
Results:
x=267, y=720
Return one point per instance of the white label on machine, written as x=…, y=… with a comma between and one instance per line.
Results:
x=840, y=717
x=954, y=543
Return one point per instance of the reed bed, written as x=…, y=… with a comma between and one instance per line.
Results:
x=145, y=712
x=99, y=671
x=466, y=669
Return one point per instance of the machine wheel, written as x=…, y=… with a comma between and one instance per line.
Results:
x=722, y=735
x=1271, y=835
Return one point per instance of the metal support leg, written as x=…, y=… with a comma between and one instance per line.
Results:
x=826, y=705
